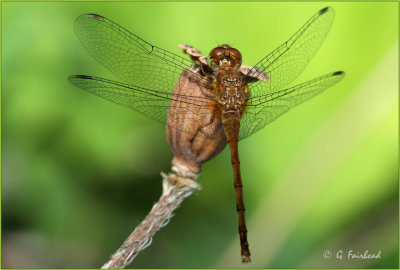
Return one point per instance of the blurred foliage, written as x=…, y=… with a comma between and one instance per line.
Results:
x=79, y=173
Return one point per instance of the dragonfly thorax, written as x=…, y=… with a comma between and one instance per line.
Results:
x=231, y=90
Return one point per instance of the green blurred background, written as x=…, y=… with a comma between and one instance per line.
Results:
x=79, y=173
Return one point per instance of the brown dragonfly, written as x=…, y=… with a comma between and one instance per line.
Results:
x=206, y=104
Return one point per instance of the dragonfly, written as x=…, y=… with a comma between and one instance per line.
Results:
x=206, y=103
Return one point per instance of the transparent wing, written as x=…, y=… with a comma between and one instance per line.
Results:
x=286, y=62
x=151, y=103
x=262, y=110
x=129, y=57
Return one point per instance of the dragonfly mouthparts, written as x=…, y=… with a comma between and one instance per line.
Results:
x=224, y=61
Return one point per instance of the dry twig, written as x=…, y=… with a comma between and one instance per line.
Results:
x=176, y=186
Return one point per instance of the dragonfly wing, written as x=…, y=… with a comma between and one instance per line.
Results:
x=129, y=57
x=262, y=110
x=151, y=103
x=154, y=104
x=286, y=62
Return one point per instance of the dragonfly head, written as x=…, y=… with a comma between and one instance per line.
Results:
x=225, y=56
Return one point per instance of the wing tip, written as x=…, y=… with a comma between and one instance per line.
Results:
x=80, y=77
x=337, y=73
x=324, y=10
x=73, y=78
x=95, y=17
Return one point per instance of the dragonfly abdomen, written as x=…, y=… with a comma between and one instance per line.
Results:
x=231, y=124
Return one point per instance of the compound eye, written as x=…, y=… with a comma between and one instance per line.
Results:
x=236, y=54
x=217, y=52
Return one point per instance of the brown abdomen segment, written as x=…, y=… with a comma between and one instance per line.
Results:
x=231, y=124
